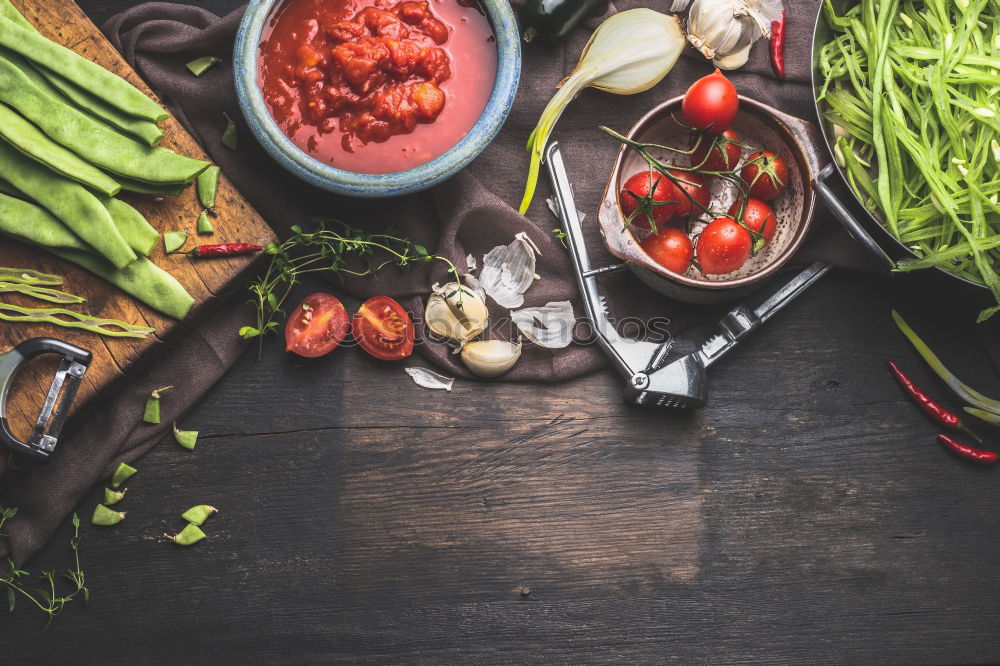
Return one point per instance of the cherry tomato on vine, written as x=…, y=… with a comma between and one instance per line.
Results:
x=695, y=186
x=316, y=326
x=671, y=248
x=758, y=216
x=383, y=329
x=715, y=153
x=637, y=204
x=767, y=176
x=723, y=247
x=711, y=104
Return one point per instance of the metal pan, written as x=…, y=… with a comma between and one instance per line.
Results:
x=831, y=183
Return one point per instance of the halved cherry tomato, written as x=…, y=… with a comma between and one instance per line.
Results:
x=383, y=329
x=715, y=153
x=711, y=104
x=723, y=247
x=316, y=326
x=671, y=248
x=695, y=186
x=757, y=216
x=638, y=205
x=767, y=177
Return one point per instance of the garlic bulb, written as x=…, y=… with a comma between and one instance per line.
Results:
x=456, y=312
x=490, y=358
x=724, y=30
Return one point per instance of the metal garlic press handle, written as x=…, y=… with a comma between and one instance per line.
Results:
x=42, y=443
x=741, y=320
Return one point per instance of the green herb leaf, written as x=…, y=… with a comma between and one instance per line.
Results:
x=248, y=332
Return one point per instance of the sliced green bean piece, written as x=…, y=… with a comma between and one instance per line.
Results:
x=151, y=414
x=197, y=515
x=190, y=535
x=29, y=276
x=35, y=144
x=142, y=279
x=230, y=136
x=208, y=186
x=187, y=439
x=174, y=240
x=162, y=189
x=89, y=138
x=86, y=74
x=33, y=224
x=205, y=224
x=122, y=473
x=199, y=66
x=41, y=293
x=69, y=201
x=145, y=130
x=106, y=517
x=112, y=497
x=70, y=319
x=134, y=228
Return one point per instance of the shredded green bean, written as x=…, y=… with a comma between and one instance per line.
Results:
x=912, y=88
x=29, y=276
x=41, y=293
x=61, y=317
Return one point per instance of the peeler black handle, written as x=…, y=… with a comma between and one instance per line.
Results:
x=45, y=435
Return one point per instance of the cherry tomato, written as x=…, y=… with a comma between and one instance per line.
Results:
x=316, y=326
x=757, y=216
x=694, y=184
x=723, y=246
x=635, y=197
x=383, y=329
x=711, y=104
x=671, y=248
x=768, y=177
x=715, y=153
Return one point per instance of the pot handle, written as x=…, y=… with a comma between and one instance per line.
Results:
x=845, y=218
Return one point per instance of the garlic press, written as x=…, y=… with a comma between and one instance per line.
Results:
x=651, y=381
x=45, y=435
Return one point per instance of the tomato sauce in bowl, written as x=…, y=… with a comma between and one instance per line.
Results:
x=377, y=86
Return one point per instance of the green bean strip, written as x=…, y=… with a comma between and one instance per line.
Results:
x=69, y=201
x=29, y=276
x=69, y=319
x=41, y=293
x=28, y=139
x=132, y=225
x=142, y=279
x=84, y=73
x=91, y=139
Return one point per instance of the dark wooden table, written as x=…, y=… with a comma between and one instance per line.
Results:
x=805, y=515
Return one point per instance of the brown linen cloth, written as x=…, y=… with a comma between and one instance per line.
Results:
x=471, y=213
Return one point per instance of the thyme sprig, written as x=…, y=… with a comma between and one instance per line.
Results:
x=45, y=597
x=342, y=250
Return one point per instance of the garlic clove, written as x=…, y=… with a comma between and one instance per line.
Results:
x=490, y=358
x=734, y=60
x=456, y=312
x=441, y=321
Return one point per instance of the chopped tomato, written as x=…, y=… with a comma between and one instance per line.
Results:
x=383, y=329
x=316, y=326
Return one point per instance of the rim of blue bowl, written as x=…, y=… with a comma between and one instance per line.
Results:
x=315, y=172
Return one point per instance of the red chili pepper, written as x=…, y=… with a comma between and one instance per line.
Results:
x=778, y=46
x=931, y=408
x=967, y=452
x=225, y=250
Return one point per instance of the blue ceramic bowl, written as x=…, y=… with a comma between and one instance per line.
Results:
x=322, y=175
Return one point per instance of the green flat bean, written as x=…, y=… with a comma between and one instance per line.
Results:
x=33, y=224
x=90, y=138
x=208, y=186
x=163, y=189
x=35, y=144
x=84, y=73
x=142, y=279
x=69, y=201
x=134, y=228
x=9, y=190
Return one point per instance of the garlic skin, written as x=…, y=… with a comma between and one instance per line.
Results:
x=430, y=379
x=490, y=358
x=456, y=312
x=725, y=30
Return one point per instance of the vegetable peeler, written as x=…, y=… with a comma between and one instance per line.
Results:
x=42, y=443
x=651, y=381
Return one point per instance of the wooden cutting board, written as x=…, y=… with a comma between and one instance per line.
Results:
x=207, y=280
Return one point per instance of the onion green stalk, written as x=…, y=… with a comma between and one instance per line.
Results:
x=911, y=90
x=628, y=53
